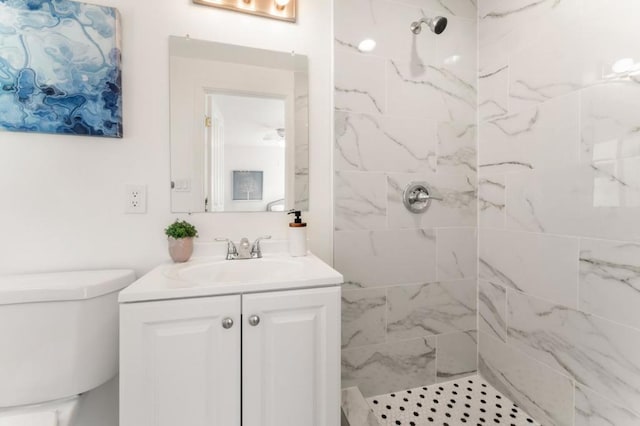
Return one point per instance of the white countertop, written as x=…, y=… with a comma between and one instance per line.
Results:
x=168, y=281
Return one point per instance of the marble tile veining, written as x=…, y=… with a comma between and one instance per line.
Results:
x=387, y=23
x=493, y=92
x=405, y=112
x=456, y=355
x=419, y=90
x=360, y=83
x=379, y=369
x=537, y=264
x=600, y=354
x=457, y=253
x=374, y=143
x=428, y=309
x=364, y=318
x=578, y=200
x=610, y=280
x=542, y=136
x=382, y=258
x=457, y=148
x=559, y=163
x=492, y=310
x=547, y=68
x=595, y=410
x=491, y=201
x=360, y=201
x=508, y=26
x=543, y=393
x=356, y=409
x=610, y=122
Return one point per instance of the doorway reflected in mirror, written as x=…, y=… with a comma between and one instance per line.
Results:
x=235, y=108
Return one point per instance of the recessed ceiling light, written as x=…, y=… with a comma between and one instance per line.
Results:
x=623, y=65
x=367, y=45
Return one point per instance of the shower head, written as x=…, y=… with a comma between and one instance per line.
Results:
x=437, y=24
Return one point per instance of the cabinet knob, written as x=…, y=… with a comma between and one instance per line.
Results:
x=254, y=320
x=227, y=323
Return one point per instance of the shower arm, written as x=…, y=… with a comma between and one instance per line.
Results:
x=416, y=27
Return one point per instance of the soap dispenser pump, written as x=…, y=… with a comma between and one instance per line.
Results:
x=297, y=235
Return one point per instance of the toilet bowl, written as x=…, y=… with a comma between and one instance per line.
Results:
x=59, y=334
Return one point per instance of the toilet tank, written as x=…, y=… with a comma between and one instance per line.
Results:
x=58, y=333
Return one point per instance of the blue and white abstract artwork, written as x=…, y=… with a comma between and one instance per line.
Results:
x=60, y=68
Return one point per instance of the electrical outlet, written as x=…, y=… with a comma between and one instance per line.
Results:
x=135, y=199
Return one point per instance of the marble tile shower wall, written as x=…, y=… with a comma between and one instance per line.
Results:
x=406, y=112
x=559, y=207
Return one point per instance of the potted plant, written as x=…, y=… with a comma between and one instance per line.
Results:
x=181, y=234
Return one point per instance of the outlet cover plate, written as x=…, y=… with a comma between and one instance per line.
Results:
x=135, y=199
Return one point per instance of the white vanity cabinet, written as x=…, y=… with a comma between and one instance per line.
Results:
x=255, y=359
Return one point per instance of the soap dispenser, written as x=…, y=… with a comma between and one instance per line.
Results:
x=297, y=235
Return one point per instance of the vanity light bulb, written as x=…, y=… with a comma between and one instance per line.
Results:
x=282, y=3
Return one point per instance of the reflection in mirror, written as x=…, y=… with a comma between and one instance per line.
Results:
x=248, y=132
x=239, y=128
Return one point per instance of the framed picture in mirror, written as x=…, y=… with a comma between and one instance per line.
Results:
x=247, y=185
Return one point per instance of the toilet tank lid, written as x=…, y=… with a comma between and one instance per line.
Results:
x=59, y=286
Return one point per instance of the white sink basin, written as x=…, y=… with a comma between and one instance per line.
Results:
x=211, y=276
x=237, y=271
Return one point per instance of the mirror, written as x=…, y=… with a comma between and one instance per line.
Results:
x=239, y=128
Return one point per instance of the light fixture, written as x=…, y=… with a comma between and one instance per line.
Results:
x=367, y=45
x=284, y=10
x=281, y=4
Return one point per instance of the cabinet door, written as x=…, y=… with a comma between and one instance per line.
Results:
x=178, y=364
x=291, y=358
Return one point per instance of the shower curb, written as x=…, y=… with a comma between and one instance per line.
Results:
x=355, y=410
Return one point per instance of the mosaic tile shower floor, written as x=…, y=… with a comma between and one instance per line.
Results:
x=470, y=401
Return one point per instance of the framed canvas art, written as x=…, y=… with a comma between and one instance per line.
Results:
x=60, y=68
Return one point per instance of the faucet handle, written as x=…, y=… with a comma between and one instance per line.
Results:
x=255, y=249
x=231, y=247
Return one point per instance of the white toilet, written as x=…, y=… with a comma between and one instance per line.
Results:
x=58, y=339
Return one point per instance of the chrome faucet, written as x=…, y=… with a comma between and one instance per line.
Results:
x=244, y=250
x=256, y=251
x=232, y=251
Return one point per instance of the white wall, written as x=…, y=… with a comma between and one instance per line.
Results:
x=63, y=197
